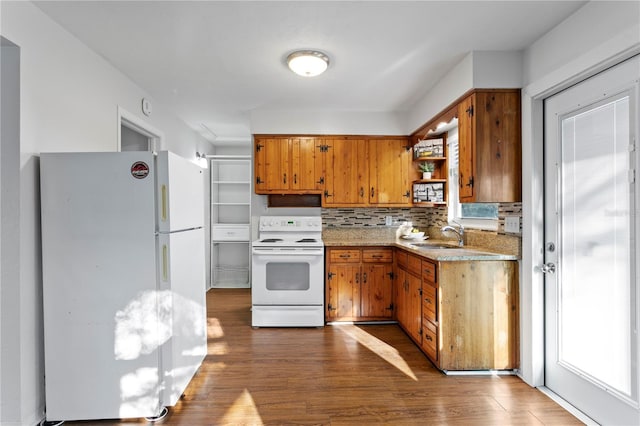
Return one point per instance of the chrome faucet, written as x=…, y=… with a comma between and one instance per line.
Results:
x=459, y=232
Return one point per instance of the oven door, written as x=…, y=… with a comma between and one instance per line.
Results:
x=287, y=276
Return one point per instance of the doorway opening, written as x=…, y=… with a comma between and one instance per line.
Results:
x=136, y=135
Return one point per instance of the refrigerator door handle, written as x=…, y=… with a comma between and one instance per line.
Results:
x=165, y=263
x=163, y=212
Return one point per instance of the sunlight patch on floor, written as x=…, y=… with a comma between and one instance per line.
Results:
x=214, y=328
x=383, y=350
x=218, y=348
x=243, y=411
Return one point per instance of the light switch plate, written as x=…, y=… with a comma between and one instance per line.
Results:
x=512, y=224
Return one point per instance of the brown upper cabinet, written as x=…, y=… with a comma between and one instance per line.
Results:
x=489, y=146
x=367, y=172
x=288, y=165
x=347, y=165
x=349, y=171
x=389, y=163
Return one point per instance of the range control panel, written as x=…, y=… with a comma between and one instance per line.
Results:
x=290, y=223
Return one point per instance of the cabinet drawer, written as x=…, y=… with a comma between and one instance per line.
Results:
x=430, y=339
x=429, y=303
x=377, y=255
x=401, y=258
x=414, y=264
x=230, y=233
x=344, y=256
x=429, y=271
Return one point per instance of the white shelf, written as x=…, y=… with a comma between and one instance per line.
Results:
x=231, y=182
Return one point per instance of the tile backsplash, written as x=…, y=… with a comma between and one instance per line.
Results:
x=420, y=216
x=372, y=217
x=431, y=220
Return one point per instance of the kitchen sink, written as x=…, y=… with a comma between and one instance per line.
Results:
x=428, y=246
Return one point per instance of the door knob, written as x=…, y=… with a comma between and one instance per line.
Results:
x=548, y=268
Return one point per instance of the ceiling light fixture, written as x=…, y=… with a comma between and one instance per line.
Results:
x=308, y=63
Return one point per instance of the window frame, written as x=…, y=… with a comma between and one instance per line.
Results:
x=454, y=207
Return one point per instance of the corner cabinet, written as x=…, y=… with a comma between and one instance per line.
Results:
x=490, y=147
x=433, y=190
x=230, y=221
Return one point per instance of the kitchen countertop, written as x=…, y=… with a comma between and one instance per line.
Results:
x=349, y=238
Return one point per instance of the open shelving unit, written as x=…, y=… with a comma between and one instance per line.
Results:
x=231, y=221
x=431, y=192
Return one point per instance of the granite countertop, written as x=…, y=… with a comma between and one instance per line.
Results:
x=357, y=238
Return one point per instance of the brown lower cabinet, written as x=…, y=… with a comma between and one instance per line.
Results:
x=466, y=317
x=359, y=284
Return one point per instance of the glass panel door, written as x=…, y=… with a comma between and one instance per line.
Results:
x=590, y=226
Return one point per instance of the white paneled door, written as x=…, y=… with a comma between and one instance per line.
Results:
x=591, y=247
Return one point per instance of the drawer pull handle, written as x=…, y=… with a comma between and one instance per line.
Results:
x=428, y=338
x=345, y=256
x=428, y=301
x=377, y=256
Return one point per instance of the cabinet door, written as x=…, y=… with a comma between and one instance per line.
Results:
x=401, y=297
x=346, y=162
x=490, y=147
x=306, y=165
x=414, y=308
x=272, y=165
x=389, y=162
x=497, y=147
x=344, y=292
x=376, y=290
x=466, y=148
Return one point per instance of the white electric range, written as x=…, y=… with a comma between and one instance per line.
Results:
x=287, y=284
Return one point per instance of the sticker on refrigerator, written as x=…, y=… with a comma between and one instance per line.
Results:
x=139, y=170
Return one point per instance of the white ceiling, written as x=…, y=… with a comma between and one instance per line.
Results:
x=213, y=62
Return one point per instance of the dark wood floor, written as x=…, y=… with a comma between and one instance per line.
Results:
x=338, y=375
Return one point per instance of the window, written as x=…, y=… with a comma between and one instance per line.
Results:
x=473, y=215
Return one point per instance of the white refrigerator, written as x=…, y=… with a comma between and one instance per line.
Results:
x=123, y=251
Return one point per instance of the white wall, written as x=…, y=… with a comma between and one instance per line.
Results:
x=327, y=122
x=477, y=70
x=10, y=370
x=453, y=85
x=597, y=36
x=69, y=98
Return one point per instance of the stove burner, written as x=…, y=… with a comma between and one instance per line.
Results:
x=306, y=240
x=271, y=240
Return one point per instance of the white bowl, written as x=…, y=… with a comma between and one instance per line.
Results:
x=414, y=236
